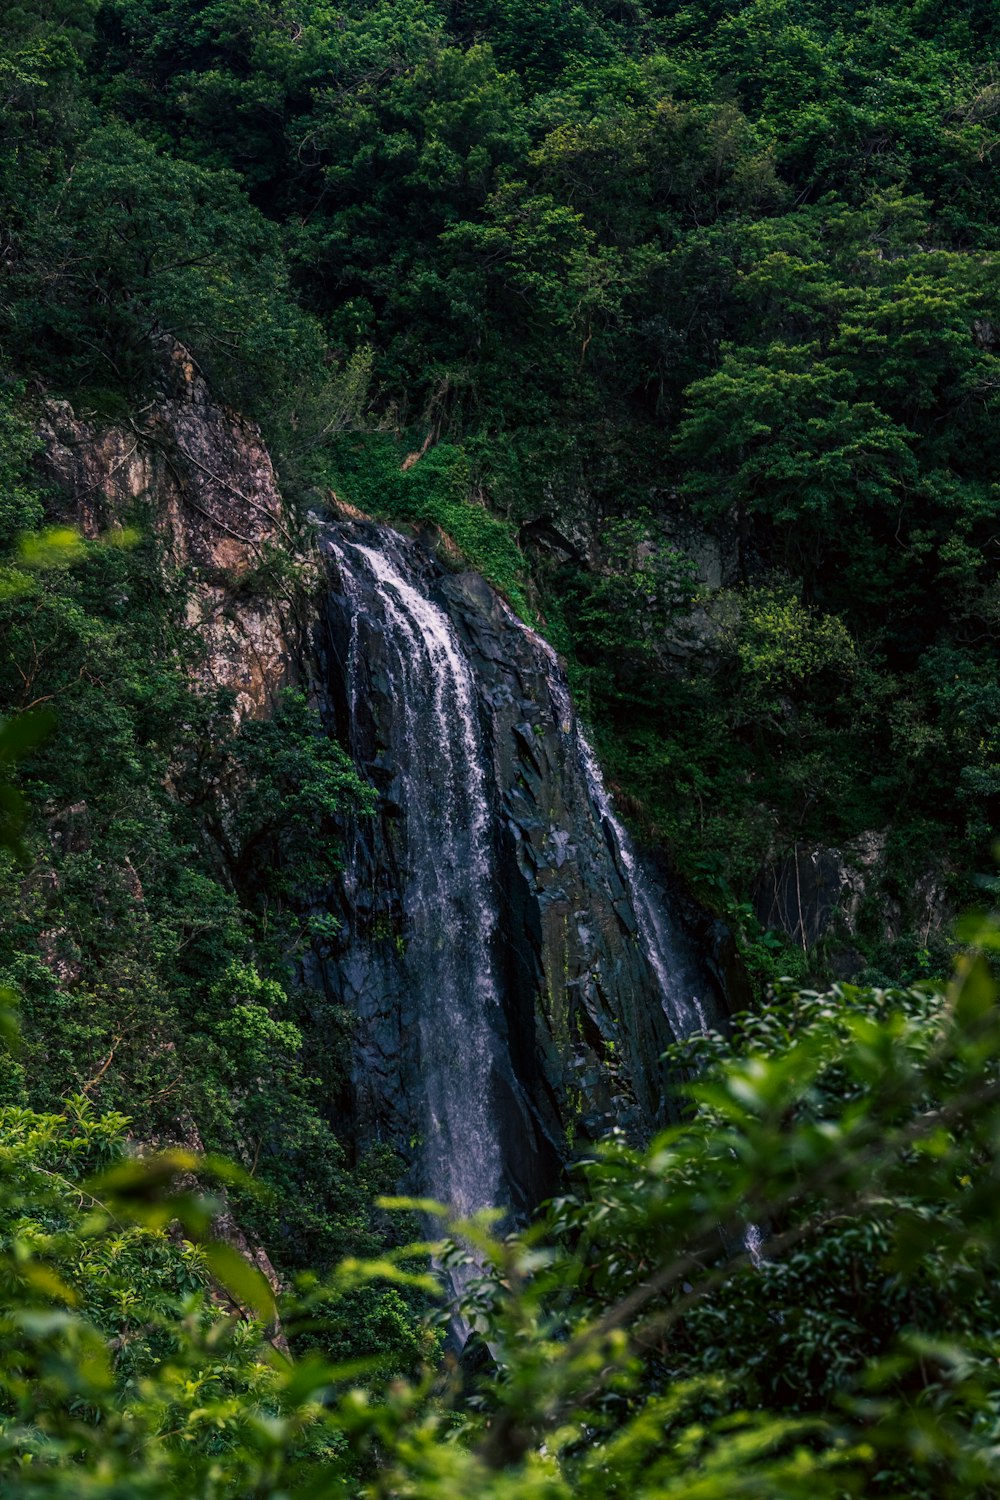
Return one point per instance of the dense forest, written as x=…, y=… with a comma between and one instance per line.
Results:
x=678, y=323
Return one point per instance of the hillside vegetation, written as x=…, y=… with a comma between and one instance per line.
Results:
x=606, y=265
x=680, y=322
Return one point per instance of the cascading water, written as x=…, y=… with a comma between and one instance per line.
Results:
x=449, y=901
x=681, y=1000
x=676, y=975
x=677, y=978
x=513, y=972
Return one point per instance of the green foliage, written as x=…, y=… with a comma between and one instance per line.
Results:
x=133, y=244
x=633, y=281
x=293, y=787
x=637, y=600
x=798, y=442
x=112, y=1345
x=790, y=1293
x=437, y=489
x=783, y=649
x=604, y=262
x=20, y=506
x=132, y=957
x=863, y=1314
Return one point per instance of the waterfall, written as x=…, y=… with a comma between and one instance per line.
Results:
x=680, y=998
x=515, y=975
x=448, y=901
x=677, y=978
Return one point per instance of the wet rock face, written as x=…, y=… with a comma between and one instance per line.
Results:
x=208, y=479
x=816, y=894
x=580, y=1019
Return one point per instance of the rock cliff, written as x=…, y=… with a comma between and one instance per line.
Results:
x=515, y=976
x=581, y=1013
x=209, y=487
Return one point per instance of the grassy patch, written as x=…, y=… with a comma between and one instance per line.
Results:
x=367, y=472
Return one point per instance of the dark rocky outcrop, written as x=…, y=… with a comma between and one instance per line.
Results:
x=589, y=975
x=582, y=1019
x=816, y=894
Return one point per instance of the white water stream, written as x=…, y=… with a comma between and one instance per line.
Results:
x=681, y=1002
x=449, y=896
x=449, y=900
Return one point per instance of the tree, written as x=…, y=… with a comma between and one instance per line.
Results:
x=130, y=245
x=792, y=1292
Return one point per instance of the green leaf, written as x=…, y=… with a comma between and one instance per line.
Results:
x=244, y=1283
